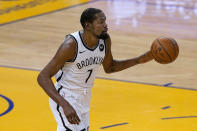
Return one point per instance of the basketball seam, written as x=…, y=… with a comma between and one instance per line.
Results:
x=165, y=50
x=173, y=45
x=159, y=59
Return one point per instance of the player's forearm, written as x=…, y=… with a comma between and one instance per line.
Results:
x=119, y=65
x=146, y=57
x=47, y=85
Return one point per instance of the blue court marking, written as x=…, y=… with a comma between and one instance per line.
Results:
x=181, y=117
x=168, y=84
x=10, y=107
x=175, y=87
x=166, y=107
x=113, y=125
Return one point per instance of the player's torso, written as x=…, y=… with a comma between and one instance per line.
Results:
x=82, y=71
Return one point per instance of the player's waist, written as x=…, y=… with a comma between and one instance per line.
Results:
x=67, y=87
x=76, y=83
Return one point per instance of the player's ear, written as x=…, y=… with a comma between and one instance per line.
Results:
x=87, y=25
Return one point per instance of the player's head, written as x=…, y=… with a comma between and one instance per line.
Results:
x=93, y=20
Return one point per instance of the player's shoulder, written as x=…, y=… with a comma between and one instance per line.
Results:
x=67, y=49
x=69, y=42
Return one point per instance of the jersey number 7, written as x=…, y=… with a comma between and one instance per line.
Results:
x=90, y=72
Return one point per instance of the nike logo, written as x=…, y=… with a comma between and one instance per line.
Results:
x=82, y=51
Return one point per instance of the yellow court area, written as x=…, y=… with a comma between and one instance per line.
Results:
x=115, y=105
x=20, y=9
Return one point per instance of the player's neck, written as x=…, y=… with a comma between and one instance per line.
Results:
x=90, y=40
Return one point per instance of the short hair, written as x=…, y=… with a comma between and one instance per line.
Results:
x=88, y=15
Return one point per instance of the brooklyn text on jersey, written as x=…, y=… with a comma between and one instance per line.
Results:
x=90, y=61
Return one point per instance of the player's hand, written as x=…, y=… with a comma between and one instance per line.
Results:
x=71, y=114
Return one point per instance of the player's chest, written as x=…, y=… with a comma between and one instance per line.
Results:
x=89, y=59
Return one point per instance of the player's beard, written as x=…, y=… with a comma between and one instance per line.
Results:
x=103, y=36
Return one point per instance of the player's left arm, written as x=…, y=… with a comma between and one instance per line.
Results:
x=110, y=65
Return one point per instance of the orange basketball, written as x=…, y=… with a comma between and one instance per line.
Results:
x=164, y=50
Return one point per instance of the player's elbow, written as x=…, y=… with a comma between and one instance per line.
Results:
x=41, y=78
x=108, y=70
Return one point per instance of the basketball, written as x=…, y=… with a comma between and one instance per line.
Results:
x=164, y=50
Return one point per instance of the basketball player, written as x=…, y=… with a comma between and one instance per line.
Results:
x=75, y=65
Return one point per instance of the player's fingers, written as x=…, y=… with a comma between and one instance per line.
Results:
x=70, y=119
x=75, y=119
x=78, y=118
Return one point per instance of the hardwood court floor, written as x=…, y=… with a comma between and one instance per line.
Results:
x=133, y=25
x=32, y=42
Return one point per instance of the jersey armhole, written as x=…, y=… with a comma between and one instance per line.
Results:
x=76, y=43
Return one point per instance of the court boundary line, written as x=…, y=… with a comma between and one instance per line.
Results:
x=179, y=117
x=145, y=83
x=105, y=78
x=120, y=124
x=54, y=11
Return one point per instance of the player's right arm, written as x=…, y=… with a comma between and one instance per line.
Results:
x=66, y=52
x=111, y=65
